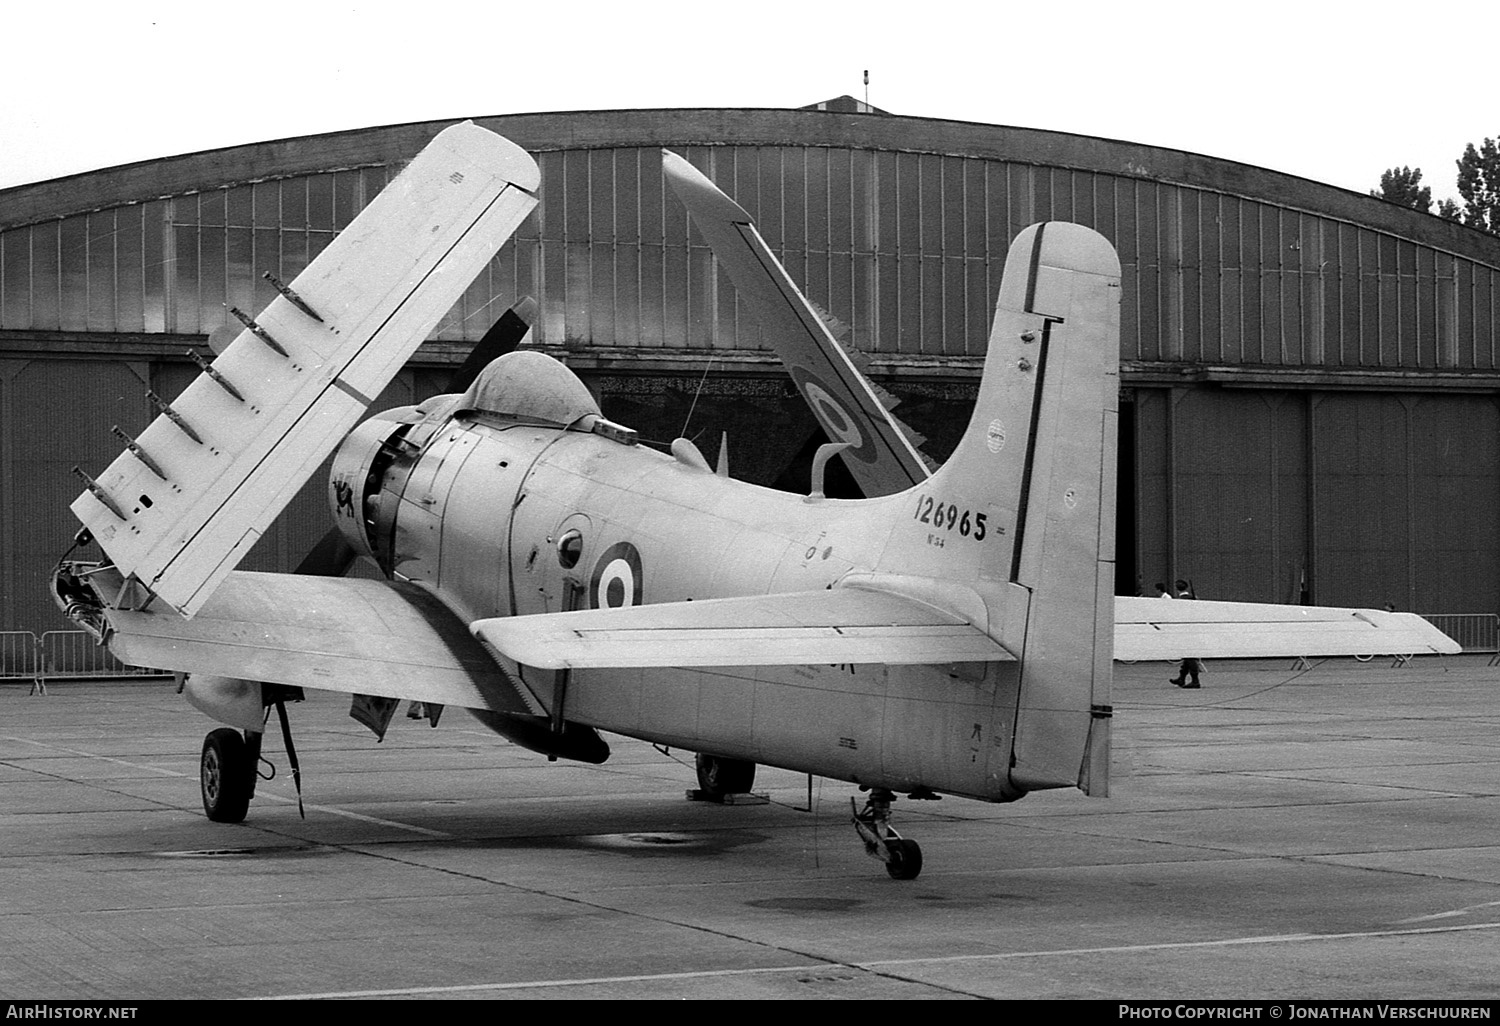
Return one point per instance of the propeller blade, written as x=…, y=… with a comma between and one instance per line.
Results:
x=503, y=337
x=330, y=557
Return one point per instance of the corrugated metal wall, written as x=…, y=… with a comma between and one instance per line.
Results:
x=1222, y=500
x=1256, y=493
x=904, y=248
x=1352, y=498
x=55, y=414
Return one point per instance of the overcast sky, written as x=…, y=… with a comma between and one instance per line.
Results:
x=1335, y=92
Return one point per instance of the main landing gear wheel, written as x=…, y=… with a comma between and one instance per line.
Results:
x=226, y=775
x=902, y=857
x=719, y=777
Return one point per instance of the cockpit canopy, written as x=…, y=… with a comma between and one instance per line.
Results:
x=532, y=386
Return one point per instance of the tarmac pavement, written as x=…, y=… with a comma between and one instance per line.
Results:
x=1282, y=833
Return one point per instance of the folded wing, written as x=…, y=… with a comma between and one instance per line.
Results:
x=188, y=499
x=880, y=456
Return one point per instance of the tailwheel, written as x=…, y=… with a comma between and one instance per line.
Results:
x=905, y=860
x=719, y=777
x=902, y=857
x=226, y=775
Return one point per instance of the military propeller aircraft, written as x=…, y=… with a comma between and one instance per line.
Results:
x=952, y=633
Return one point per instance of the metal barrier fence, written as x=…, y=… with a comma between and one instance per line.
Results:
x=60, y=655
x=1474, y=632
x=17, y=655
x=78, y=654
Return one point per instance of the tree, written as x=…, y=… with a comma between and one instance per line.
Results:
x=1479, y=185
x=1404, y=186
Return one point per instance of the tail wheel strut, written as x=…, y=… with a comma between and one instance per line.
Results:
x=902, y=856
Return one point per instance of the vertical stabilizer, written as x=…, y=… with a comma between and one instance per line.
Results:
x=1038, y=459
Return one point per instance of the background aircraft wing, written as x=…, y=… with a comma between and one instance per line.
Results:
x=841, y=626
x=881, y=457
x=188, y=499
x=1153, y=628
x=334, y=633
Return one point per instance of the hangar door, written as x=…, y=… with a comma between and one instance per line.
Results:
x=1348, y=498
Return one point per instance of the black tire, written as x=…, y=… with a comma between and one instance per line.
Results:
x=906, y=859
x=718, y=776
x=226, y=776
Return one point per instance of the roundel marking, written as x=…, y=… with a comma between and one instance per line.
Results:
x=616, y=581
x=832, y=416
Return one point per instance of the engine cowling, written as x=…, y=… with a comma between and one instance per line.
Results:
x=373, y=461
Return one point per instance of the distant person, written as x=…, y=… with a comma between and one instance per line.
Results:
x=1161, y=591
x=1191, y=666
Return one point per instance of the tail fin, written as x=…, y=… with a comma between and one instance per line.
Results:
x=1038, y=458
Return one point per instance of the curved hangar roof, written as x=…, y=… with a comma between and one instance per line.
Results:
x=897, y=226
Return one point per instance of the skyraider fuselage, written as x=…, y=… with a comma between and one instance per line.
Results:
x=503, y=518
x=954, y=636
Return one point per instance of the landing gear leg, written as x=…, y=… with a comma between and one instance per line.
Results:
x=902, y=858
x=226, y=775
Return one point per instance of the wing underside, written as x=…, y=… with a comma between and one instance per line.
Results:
x=1150, y=629
x=336, y=634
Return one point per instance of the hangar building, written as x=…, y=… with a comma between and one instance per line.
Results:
x=1309, y=375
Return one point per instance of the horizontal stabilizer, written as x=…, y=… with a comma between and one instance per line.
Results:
x=880, y=456
x=843, y=626
x=180, y=508
x=1151, y=629
x=334, y=633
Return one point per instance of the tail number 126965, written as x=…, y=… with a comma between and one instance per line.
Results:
x=950, y=517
